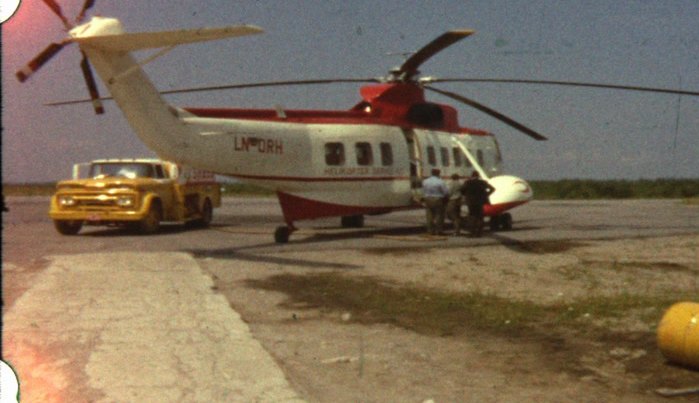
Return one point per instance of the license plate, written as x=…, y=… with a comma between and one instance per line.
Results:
x=94, y=217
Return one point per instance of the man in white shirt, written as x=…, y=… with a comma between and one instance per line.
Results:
x=435, y=195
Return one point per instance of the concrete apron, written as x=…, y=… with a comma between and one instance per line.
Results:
x=143, y=327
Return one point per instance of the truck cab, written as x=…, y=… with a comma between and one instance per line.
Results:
x=140, y=193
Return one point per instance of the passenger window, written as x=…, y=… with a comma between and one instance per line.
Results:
x=445, y=156
x=457, y=156
x=334, y=154
x=386, y=154
x=431, y=156
x=364, y=154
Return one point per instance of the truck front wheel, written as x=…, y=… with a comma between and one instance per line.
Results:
x=68, y=227
x=151, y=223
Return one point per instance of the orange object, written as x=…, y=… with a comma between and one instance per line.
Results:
x=678, y=334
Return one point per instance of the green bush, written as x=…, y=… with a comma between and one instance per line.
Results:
x=616, y=189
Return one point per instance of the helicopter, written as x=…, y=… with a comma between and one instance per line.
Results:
x=367, y=160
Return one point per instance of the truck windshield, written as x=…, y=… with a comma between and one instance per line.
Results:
x=126, y=170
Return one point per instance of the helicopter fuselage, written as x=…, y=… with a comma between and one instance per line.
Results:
x=341, y=163
x=369, y=159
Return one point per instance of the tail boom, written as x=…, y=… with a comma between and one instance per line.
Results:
x=155, y=122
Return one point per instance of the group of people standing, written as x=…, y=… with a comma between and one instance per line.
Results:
x=442, y=200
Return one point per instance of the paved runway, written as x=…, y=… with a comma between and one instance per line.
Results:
x=140, y=327
x=112, y=316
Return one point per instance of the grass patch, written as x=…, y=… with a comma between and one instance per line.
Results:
x=425, y=311
x=542, y=247
x=584, y=189
x=243, y=189
x=573, y=337
x=442, y=313
x=29, y=189
x=616, y=307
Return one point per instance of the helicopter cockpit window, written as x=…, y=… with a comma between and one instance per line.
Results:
x=334, y=154
x=498, y=154
x=431, y=156
x=386, y=154
x=364, y=154
x=426, y=114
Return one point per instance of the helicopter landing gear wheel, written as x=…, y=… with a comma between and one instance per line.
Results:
x=352, y=221
x=506, y=222
x=282, y=233
x=501, y=222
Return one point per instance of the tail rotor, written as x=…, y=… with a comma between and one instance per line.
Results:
x=86, y=6
x=35, y=64
x=52, y=50
x=57, y=10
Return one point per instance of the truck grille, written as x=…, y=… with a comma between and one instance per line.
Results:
x=97, y=202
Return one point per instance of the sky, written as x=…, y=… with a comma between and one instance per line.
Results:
x=593, y=133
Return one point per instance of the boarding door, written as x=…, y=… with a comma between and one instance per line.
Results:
x=472, y=163
x=415, y=158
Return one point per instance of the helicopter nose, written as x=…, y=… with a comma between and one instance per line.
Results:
x=510, y=190
x=522, y=189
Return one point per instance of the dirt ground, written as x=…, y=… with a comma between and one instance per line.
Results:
x=541, y=321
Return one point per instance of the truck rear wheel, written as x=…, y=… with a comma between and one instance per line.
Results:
x=68, y=227
x=151, y=223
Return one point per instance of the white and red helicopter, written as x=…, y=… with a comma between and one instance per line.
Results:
x=367, y=160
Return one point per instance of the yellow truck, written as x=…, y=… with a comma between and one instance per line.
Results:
x=140, y=193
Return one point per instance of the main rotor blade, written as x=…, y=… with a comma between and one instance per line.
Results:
x=497, y=115
x=86, y=6
x=566, y=83
x=57, y=10
x=443, y=41
x=237, y=86
x=91, y=85
x=38, y=61
x=272, y=84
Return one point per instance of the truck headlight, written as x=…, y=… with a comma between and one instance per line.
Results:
x=125, y=201
x=66, y=201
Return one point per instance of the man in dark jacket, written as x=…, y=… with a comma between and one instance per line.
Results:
x=476, y=192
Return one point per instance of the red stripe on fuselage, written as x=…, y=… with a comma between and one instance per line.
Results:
x=295, y=208
x=497, y=209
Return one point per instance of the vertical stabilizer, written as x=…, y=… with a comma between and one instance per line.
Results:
x=108, y=47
